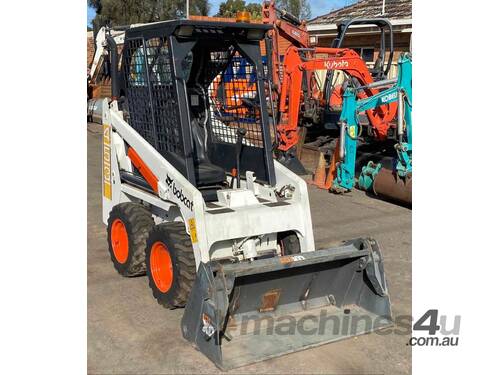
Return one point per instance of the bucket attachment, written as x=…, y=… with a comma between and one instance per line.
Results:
x=389, y=185
x=293, y=163
x=241, y=313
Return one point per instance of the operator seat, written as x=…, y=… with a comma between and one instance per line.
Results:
x=377, y=70
x=205, y=172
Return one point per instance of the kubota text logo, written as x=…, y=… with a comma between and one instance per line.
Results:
x=331, y=65
x=106, y=161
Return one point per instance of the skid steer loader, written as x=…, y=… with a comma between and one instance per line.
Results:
x=193, y=198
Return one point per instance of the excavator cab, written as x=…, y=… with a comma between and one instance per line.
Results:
x=381, y=68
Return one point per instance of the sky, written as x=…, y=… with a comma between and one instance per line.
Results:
x=90, y=15
x=318, y=7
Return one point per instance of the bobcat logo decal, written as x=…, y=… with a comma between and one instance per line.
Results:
x=179, y=194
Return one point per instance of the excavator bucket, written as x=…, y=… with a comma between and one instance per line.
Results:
x=240, y=313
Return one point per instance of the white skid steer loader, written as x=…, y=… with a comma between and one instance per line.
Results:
x=194, y=199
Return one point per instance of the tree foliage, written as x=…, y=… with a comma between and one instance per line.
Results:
x=126, y=12
x=255, y=10
x=299, y=8
x=230, y=8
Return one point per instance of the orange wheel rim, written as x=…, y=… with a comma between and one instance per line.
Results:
x=119, y=241
x=161, y=267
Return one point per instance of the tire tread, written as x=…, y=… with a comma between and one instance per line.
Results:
x=139, y=223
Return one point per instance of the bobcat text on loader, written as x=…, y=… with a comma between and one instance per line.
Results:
x=193, y=198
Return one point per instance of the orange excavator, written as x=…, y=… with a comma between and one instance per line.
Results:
x=300, y=97
x=289, y=28
x=292, y=96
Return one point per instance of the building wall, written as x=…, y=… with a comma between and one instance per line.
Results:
x=103, y=88
x=90, y=48
x=401, y=42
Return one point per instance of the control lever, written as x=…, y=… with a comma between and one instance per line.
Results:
x=240, y=134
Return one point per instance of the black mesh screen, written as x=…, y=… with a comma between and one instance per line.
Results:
x=233, y=98
x=153, y=108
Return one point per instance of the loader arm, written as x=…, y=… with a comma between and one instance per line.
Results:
x=338, y=59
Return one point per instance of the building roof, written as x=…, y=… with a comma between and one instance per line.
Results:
x=394, y=9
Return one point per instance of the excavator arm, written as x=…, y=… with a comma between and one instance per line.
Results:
x=286, y=26
x=291, y=90
x=400, y=92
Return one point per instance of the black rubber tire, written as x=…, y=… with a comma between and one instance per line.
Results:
x=178, y=243
x=138, y=224
x=289, y=243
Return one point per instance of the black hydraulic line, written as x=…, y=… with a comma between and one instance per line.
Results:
x=239, y=145
x=385, y=82
x=135, y=180
x=120, y=28
x=272, y=88
x=288, y=17
x=115, y=86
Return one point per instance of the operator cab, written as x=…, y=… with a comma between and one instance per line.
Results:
x=380, y=68
x=195, y=91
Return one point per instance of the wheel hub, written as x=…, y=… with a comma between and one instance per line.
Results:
x=119, y=241
x=161, y=267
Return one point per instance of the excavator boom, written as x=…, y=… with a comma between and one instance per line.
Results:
x=291, y=90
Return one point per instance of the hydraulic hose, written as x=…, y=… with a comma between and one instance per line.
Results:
x=115, y=86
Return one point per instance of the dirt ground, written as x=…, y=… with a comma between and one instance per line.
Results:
x=129, y=333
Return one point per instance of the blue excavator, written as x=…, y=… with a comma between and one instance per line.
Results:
x=392, y=183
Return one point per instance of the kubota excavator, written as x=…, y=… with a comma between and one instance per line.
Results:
x=297, y=93
x=292, y=96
